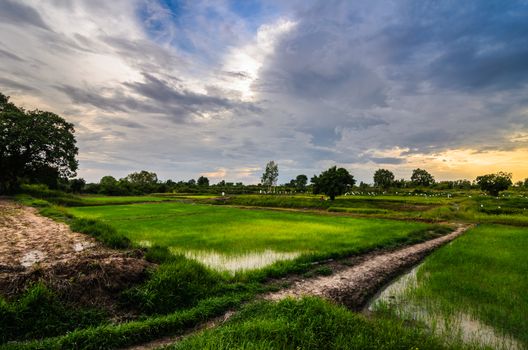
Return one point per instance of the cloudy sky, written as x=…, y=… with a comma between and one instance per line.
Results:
x=218, y=88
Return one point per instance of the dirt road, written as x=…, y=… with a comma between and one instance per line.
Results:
x=354, y=285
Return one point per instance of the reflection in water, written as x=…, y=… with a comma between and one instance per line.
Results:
x=459, y=327
x=239, y=262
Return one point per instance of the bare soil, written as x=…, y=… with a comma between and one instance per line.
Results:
x=35, y=248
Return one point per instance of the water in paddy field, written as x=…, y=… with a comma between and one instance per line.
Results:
x=460, y=327
x=239, y=262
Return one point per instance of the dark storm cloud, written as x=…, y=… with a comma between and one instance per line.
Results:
x=472, y=45
x=16, y=13
x=436, y=74
x=154, y=96
x=14, y=85
x=120, y=122
x=317, y=62
x=160, y=91
x=387, y=160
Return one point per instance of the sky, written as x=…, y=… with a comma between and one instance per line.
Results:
x=219, y=88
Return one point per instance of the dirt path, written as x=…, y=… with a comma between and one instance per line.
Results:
x=27, y=238
x=354, y=285
x=35, y=248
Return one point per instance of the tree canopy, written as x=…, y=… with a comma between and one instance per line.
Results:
x=270, y=175
x=299, y=183
x=202, y=181
x=333, y=182
x=35, y=146
x=421, y=177
x=383, y=178
x=494, y=183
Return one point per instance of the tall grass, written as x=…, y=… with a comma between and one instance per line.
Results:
x=39, y=313
x=111, y=336
x=309, y=323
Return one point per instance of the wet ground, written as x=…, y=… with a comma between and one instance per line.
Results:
x=456, y=327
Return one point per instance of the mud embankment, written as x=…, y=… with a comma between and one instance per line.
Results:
x=354, y=285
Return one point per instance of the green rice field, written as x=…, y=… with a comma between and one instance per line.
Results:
x=478, y=281
x=233, y=231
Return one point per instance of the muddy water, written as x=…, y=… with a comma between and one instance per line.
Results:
x=459, y=327
x=238, y=262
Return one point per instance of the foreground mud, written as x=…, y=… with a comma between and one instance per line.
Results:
x=35, y=248
x=353, y=286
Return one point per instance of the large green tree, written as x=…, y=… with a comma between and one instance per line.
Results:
x=494, y=183
x=203, y=181
x=299, y=183
x=333, y=182
x=421, y=177
x=383, y=178
x=143, y=181
x=35, y=146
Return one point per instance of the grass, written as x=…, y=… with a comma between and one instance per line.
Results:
x=309, y=323
x=39, y=313
x=235, y=231
x=471, y=206
x=483, y=273
x=113, y=200
x=396, y=203
x=102, y=231
x=111, y=336
x=180, y=283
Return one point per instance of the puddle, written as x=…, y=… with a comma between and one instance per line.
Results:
x=32, y=257
x=459, y=327
x=235, y=263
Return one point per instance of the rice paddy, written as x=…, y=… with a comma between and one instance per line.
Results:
x=234, y=239
x=472, y=290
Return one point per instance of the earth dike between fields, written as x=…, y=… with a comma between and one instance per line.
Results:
x=34, y=249
x=354, y=285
